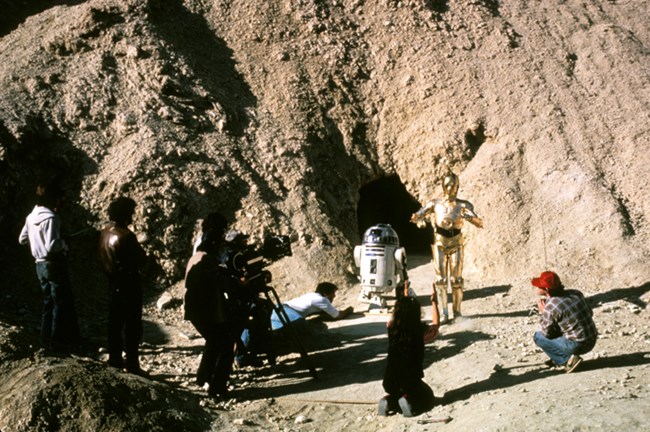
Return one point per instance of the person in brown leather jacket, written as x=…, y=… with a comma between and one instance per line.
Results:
x=121, y=258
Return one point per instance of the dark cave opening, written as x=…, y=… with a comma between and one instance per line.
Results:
x=386, y=200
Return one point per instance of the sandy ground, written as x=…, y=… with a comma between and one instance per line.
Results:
x=484, y=368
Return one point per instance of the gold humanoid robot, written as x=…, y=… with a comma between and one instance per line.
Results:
x=447, y=216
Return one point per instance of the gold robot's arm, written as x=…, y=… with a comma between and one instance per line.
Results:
x=420, y=217
x=470, y=216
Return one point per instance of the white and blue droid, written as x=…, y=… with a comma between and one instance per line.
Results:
x=382, y=264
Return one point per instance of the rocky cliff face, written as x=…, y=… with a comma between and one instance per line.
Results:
x=315, y=119
x=279, y=113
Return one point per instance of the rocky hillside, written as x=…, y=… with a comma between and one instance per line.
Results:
x=318, y=118
x=280, y=113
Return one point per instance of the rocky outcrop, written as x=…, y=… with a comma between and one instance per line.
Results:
x=278, y=113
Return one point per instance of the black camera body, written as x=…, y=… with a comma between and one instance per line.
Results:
x=249, y=262
x=253, y=310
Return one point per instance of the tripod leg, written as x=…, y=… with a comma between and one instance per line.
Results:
x=282, y=314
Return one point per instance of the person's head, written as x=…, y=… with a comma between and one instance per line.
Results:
x=214, y=221
x=407, y=315
x=49, y=194
x=548, y=283
x=121, y=210
x=450, y=185
x=327, y=289
x=213, y=228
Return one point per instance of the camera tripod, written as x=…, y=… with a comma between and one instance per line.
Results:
x=282, y=314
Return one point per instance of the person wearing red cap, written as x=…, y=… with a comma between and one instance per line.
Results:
x=567, y=327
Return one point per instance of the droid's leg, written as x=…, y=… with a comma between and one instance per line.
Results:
x=457, y=296
x=440, y=266
x=456, y=273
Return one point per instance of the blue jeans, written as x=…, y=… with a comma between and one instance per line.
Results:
x=59, y=327
x=560, y=349
x=276, y=322
x=263, y=343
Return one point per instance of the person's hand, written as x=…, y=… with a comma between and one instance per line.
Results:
x=541, y=302
x=431, y=333
x=347, y=311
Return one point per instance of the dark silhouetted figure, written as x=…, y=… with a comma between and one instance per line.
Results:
x=121, y=258
x=208, y=287
x=403, y=376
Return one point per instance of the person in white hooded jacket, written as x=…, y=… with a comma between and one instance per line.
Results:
x=42, y=231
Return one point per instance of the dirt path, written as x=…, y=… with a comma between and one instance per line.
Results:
x=484, y=368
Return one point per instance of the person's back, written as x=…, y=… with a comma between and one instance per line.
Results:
x=312, y=303
x=205, y=284
x=319, y=301
x=119, y=250
x=405, y=356
x=404, y=370
x=121, y=258
x=42, y=231
x=572, y=315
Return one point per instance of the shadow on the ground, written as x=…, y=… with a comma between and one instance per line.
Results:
x=513, y=314
x=415, y=261
x=501, y=379
x=632, y=295
x=354, y=357
x=485, y=292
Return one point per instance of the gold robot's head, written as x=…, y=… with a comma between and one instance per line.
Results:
x=450, y=185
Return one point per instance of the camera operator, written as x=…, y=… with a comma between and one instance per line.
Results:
x=253, y=312
x=208, y=306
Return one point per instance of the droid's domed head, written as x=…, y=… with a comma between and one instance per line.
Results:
x=381, y=234
x=450, y=185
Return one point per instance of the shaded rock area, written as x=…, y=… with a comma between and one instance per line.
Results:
x=76, y=393
x=316, y=119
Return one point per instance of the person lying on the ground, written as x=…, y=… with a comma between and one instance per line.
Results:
x=297, y=310
x=317, y=302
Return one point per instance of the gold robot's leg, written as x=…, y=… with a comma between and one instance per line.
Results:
x=457, y=297
x=456, y=264
x=441, y=268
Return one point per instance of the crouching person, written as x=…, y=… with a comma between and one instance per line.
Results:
x=567, y=328
x=207, y=308
x=406, y=391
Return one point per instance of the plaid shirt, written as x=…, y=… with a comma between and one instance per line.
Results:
x=568, y=315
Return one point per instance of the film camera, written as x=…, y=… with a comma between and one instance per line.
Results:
x=250, y=262
x=256, y=299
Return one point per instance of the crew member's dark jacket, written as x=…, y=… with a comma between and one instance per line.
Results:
x=206, y=283
x=120, y=254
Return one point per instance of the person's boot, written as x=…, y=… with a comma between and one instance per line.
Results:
x=573, y=363
x=386, y=406
x=405, y=406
